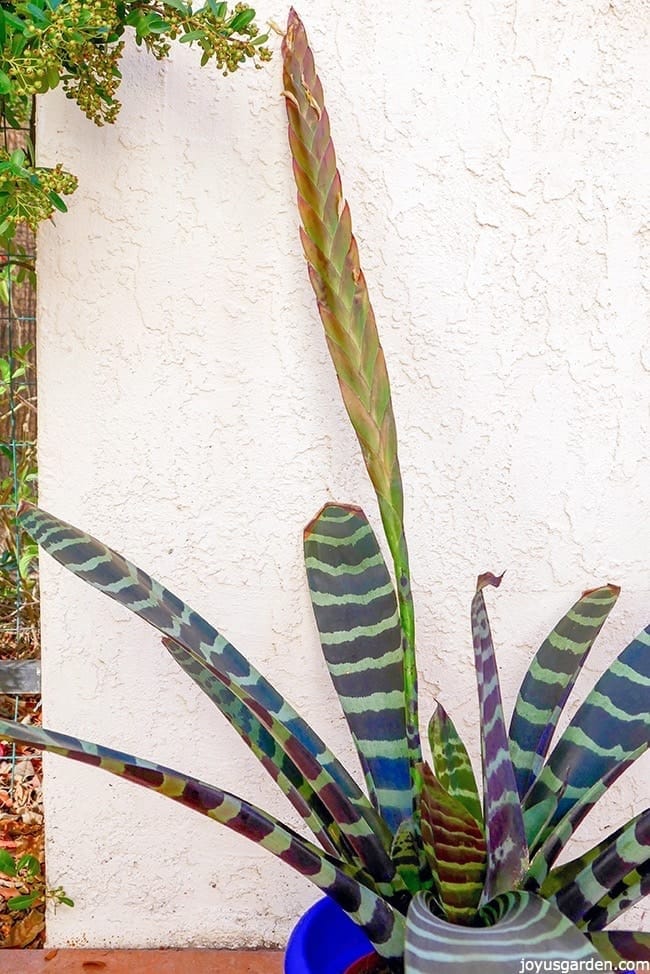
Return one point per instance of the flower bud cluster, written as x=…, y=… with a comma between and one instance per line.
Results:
x=78, y=44
x=26, y=193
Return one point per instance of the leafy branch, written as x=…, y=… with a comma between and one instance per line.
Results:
x=78, y=45
x=28, y=878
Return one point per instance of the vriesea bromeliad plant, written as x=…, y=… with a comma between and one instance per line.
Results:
x=437, y=876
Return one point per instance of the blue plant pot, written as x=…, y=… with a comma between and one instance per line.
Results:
x=325, y=941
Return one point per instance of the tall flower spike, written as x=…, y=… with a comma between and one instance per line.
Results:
x=349, y=322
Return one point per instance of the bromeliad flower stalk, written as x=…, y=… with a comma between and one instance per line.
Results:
x=350, y=328
x=439, y=874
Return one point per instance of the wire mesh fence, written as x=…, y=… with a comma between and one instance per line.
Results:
x=19, y=617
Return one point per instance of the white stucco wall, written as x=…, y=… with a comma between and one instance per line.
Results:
x=494, y=155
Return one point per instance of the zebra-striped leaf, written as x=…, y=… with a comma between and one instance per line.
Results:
x=349, y=323
x=518, y=926
x=358, y=621
x=550, y=679
x=622, y=945
x=552, y=841
x=112, y=574
x=408, y=856
x=625, y=894
x=451, y=762
x=537, y=818
x=605, y=867
x=383, y=925
x=507, y=852
x=455, y=845
x=562, y=876
x=611, y=724
x=266, y=749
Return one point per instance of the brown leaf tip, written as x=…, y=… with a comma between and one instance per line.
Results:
x=351, y=508
x=614, y=589
x=439, y=715
x=488, y=578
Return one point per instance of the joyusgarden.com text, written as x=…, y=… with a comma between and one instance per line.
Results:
x=564, y=966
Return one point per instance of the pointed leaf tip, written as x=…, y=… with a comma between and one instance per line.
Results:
x=615, y=589
x=331, y=506
x=487, y=578
x=294, y=24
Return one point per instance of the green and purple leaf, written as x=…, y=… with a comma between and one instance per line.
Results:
x=266, y=749
x=408, y=855
x=112, y=574
x=451, y=763
x=562, y=876
x=602, y=869
x=622, y=945
x=381, y=923
x=555, y=840
x=628, y=892
x=518, y=927
x=611, y=725
x=356, y=612
x=537, y=818
x=550, y=679
x=507, y=851
x=455, y=847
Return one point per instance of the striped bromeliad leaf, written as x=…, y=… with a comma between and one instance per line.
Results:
x=408, y=855
x=537, y=818
x=609, y=726
x=515, y=926
x=451, y=763
x=507, y=851
x=625, y=894
x=550, y=679
x=358, y=622
x=349, y=322
x=609, y=864
x=455, y=846
x=556, y=838
x=269, y=753
x=622, y=945
x=383, y=925
x=112, y=574
x=562, y=876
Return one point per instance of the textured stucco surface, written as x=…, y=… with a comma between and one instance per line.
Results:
x=495, y=158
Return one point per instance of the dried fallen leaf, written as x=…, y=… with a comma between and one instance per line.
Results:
x=31, y=817
x=21, y=825
x=6, y=892
x=26, y=930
